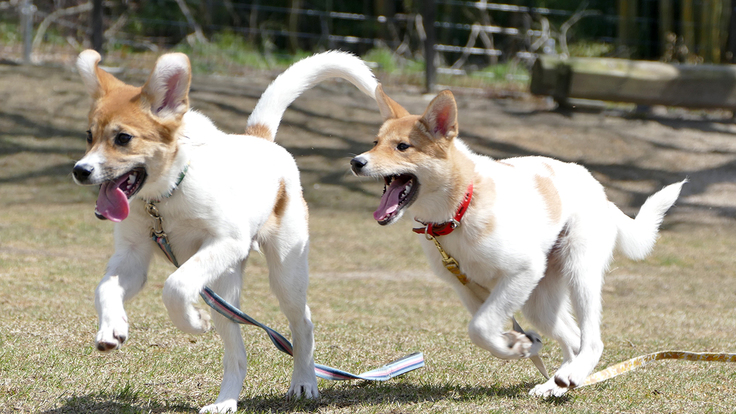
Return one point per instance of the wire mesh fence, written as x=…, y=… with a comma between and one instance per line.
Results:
x=460, y=37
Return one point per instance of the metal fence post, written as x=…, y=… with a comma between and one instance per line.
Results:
x=428, y=18
x=97, y=30
x=27, y=10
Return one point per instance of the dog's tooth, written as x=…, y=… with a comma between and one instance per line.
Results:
x=131, y=179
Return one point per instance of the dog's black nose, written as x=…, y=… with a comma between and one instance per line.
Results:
x=82, y=172
x=358, y=163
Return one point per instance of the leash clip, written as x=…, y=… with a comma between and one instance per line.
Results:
x=450, y=263
x=158, y=221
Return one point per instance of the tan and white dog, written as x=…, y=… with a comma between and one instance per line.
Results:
x=537, y=235
x=218, y=195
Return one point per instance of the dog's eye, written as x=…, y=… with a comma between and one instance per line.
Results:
x=375, y=143
x=89, y=137
x=403, y=146
x=123, y=138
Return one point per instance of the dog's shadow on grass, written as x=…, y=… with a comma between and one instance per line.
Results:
x=112, y=404
x=333, y=396
x=371, y=393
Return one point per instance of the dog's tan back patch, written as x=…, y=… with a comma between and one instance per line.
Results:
x=281, y=199
x=551, y=197
x=273, y=223
x=259, y=130
x=484, y=194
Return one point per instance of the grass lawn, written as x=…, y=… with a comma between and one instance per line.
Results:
x=372, y=296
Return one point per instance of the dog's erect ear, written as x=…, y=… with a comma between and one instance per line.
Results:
x=97, y=81
x=167, y=89
x=441, y=116
x=388, y=107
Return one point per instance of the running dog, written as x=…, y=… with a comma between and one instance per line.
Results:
x=213, y=195
x=532, y=233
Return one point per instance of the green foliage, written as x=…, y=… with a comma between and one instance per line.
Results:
x=9, y=33
x=503, y=72
x=590, y=49
x=230, y=52
x=384, y=57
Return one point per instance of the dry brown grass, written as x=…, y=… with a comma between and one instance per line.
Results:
x=371, y=293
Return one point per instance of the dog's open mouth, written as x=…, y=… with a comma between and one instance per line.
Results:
x=399, y=192
x=112, y=202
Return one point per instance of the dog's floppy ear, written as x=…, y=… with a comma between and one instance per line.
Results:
x=388, y=107
x=167, y=89
x=97, y=81
x=441, y=116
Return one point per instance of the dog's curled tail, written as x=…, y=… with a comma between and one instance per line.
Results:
x=308, y=72
x=636, y=237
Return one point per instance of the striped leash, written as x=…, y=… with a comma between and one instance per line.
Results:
x=384, y=373
x=634, y=363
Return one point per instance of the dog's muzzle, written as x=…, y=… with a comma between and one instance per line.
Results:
x=357, y=164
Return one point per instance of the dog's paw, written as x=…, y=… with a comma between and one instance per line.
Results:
x=111, y=337
x=229, y=406
x=569, y=377
x=518, y=343
x=303, y=389
x=548, y=389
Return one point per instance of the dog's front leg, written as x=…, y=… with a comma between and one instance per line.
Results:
x=234, y=361
x=125, y=276
x=509, y=294
x=181, y=290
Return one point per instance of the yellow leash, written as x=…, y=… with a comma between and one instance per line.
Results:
x=632, y=364
x=452, y=265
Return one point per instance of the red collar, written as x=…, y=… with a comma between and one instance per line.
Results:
x=443, y=229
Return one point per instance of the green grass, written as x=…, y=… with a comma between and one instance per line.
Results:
x=590, y=49
x=227, y=51
x=372, y=296
x=393, y=68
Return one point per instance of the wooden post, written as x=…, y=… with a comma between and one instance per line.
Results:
x=97, y=31
x=294, y=25
x=730, y=55
x=687, y=17
x=666, y=23
x=428, y=18
x=27, y=10
x=639, y=82
x=726, y=11
x=627, y=33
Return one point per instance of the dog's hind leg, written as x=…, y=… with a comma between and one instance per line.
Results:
x=286, y=250
x=235, y=360
x=548, y=309
x=588, y=252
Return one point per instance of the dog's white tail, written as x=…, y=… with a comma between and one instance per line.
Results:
x=308, y=72
x=636, y=237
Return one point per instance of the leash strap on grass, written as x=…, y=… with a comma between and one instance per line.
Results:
x=386, y=372
x=632, y=364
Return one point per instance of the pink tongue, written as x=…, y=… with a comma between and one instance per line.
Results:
x=112, y=203
x=390, y=200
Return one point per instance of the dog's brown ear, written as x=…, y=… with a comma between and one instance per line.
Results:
x=97, y=81
x=440, y=117
x=388, y=107
x=167, y=89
